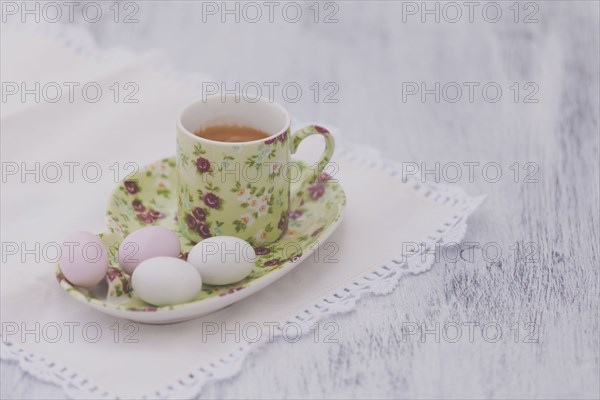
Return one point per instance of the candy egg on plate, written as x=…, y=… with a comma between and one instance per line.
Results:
x=164, y=281
x=83, y=259
x=222, y=260
x=145, y=243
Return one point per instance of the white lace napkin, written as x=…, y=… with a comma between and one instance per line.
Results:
x=92, y=355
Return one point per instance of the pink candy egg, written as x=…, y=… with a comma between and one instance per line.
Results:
x=83, y=259
x=145, y=243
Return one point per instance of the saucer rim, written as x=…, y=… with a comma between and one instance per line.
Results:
x=209, y=305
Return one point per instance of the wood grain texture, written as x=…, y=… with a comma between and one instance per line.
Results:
x=547, y=291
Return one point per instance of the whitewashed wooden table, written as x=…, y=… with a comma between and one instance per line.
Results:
x=537, y=300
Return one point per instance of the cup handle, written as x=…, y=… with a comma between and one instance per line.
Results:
x=305, y=132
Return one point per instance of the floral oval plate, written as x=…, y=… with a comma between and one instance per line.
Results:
x=149, y=198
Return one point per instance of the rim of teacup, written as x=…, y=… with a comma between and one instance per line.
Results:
x=218, y=97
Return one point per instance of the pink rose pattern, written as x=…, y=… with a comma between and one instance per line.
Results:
x=196, y=221
x=294, y=215
x=131, y=187
x=113, y=274
x=144, y=215
x=202, y=165
x=321, y=130
x=317, y=189
x=281, y=138
x=212, y=200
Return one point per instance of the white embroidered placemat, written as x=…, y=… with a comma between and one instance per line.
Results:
x=93, y=355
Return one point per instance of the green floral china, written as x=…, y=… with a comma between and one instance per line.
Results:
x=240, y=189
x=149, y=198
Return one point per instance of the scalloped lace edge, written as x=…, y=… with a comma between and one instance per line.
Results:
x=379, y=281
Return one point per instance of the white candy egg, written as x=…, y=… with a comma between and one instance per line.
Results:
x=164, y=281
x=222, y=260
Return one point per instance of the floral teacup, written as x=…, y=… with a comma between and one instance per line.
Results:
x=239, y=189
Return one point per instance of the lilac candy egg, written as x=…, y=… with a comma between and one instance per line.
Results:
x=145, y=243
x=83, y=259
